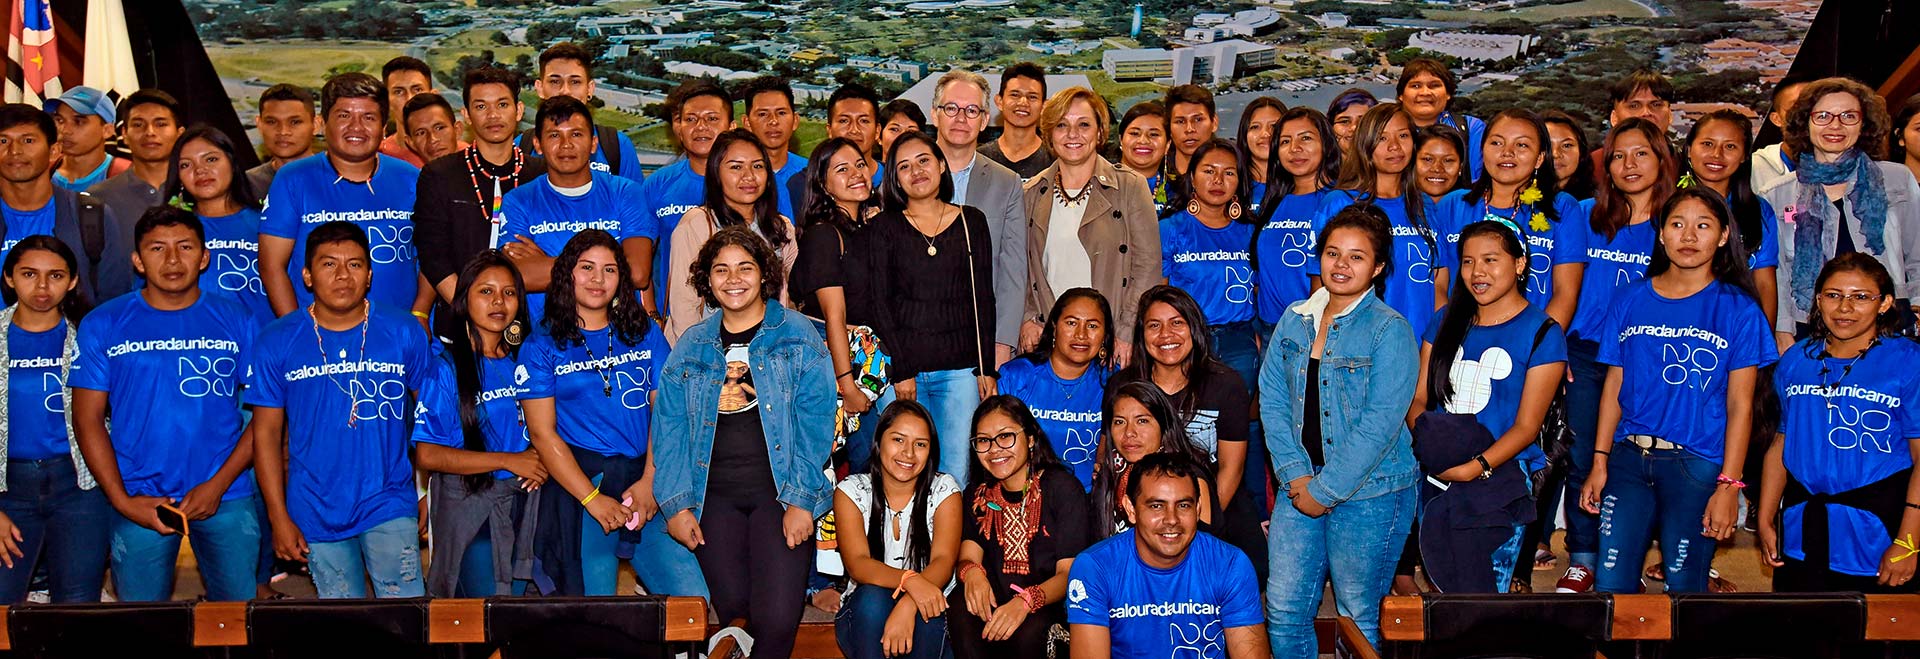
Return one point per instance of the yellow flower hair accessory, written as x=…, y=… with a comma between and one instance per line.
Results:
x=1539, y=223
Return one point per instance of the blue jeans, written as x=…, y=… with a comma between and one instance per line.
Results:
x=662, y=566
x=62, y=527
x=1353, y=545
x=1662, y=491
x=863, y=618
x=951, y=397
x=226, y=546
x=388, y=554
x=1583, y=414
x=1238, y=346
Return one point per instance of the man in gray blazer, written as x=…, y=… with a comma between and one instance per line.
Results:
x=960, y=110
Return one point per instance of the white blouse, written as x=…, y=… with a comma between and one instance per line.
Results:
x=859, y=488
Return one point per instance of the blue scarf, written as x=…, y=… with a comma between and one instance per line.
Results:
x=1812, y=212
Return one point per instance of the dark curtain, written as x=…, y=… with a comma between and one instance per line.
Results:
x=1861, y=39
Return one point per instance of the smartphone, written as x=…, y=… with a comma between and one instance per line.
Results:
x=172, y=517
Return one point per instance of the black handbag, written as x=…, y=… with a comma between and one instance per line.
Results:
x=1556, y=435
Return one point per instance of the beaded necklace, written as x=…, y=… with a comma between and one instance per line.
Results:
x=476, y=169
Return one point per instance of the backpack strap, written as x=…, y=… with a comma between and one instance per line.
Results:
x=1540, y=335
x=93, y=227
x=610, y=145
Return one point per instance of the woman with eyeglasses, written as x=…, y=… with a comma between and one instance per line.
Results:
x=1850, y=435
x=1837, y=198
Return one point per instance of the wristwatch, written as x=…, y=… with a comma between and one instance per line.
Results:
x=1486, y=468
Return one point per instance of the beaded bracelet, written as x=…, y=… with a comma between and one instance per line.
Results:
x=1729, y=480
x=968, y=565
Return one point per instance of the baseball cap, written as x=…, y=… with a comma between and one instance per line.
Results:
x=85, y=100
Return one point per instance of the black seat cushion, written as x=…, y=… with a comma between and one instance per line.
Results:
x=294, y=629
x=578, y=627
x=1544, y=626
x=153, y=630
x=1767, y=626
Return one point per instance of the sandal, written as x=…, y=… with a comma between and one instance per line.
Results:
x=1718, y=585
x=1656, y=572
x=1543, y=560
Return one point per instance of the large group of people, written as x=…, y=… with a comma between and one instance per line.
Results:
x=1350, y=346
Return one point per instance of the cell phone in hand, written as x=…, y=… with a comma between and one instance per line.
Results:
x=172, y=517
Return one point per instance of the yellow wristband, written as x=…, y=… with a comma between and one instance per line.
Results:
x=422, y=315
x=590, y=496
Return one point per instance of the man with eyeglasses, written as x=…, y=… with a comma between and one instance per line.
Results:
x=699, y=111
x=959, y=113
x=1023, y=88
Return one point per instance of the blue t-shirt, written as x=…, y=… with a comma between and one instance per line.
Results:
x=171, y=379
x=36, y=406
x=1767, y=254
x=308, y=192
x=795, y=163
x=599, y=387
x=1476, y=133
x=629, y=157
x=1149, y=612
x=1210, y=264
x=1848, y=423
x=20, y=224
x=668, y=194
x=1490, y=371
x=1256, y=192
x=1612, y=265
x=1410, y=286
x=1068, y=410
x=538, y=211
x=344, y=477
x=437, y=418
x=1285, y=248
x=1675, y=357
x=1564, y=241
x=233, y=260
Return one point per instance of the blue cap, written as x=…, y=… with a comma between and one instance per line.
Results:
x=85, y=100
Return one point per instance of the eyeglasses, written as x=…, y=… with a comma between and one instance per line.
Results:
x=1835, y=297
x=1848, y=118
x=954, y=110
x=983, y=443
x=701, y=119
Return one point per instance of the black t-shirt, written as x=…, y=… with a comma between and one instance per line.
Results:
x=1310, y=426
x=1064, y=531
x=741, y=468
x=1027, y=167
x=828, y=258
x=1845, y=244
x=1216, y=411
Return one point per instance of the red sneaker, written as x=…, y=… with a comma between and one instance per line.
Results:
x=1578, y=579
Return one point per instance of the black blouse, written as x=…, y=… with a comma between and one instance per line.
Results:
x=1063, y=531
x=923, y=305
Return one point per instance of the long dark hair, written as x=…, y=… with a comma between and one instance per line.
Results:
x=1886, y=324
x=1744, y=204
x=766, y=209
x=1109, y=466
x=892, y=196
x=1729, y=264
x=1546, y=177
x=240, y=190
x=1462, y=179
x=1461, y=309
x=462, y=347
x=562, y=321
x=1368, y=219
x=1043, y=350
x=1580, y=182
x=1611, y=210
x=816, y=206
x=1200, y=364
x=1246, y=122
x=1182, y=192
x=919, y=537
x=1040, y=453
x=73, y=307
x=1279, y=182
x=1359, y=174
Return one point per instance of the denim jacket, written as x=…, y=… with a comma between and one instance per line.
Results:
x=1367, y=375
x=794, y=381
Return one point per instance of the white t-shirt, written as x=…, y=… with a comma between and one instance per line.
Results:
x=859, y=488
x=1068, y=265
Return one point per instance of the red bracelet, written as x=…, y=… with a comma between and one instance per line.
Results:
x=968, y=565
x=1729, y=480
x=1035, y=598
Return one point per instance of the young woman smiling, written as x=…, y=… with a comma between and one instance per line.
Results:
x=740, y=191
x=932, y=275
x=1620, y=242
x=1440, y=154
x=1520, y=185
x=828, y=283
x=1139, y=421
x=1719, y=153
x=1493, y=355
x=1025, y=520
x=1143, y=147
x=1847, y=501
x=1838, y=198
x=1304, y=164
x=1378, y=171
x=906, y=547
x=1073, y=238
x=207, y=178
x=1258, y=121
x=1683, y=347
x=1569, y=148
x=1204, y=251
x=1063, y=378
x=1426, y=89
x=1342, y=366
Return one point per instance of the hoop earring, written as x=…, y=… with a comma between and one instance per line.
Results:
x=1233, y=209
x=1193, y=208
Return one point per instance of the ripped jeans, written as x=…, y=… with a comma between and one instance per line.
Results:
x=387, y=554
x=1648, y=491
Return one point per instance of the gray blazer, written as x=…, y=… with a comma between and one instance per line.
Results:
x=996, y=191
